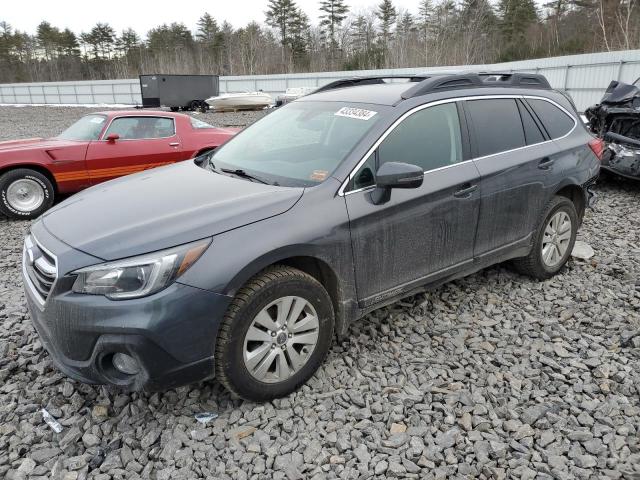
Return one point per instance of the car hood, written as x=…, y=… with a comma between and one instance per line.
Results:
x=161, y=208
x=39, y=143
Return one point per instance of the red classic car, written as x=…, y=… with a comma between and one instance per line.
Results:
x=98, y=147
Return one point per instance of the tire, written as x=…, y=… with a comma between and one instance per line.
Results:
x=534, y=265
x=174, y=109
x=25, y=194
x=236, y=338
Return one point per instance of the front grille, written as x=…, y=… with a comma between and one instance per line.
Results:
x=40, y=268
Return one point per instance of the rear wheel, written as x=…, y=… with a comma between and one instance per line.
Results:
x=275, y=334
x=25, y=193
x=554, y=240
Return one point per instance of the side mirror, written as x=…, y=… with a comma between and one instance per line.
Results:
x=395, y=175
x=112, y=137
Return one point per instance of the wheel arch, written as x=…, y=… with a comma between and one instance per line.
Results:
x=32, y=166
x=314, y=265
x=575, y=193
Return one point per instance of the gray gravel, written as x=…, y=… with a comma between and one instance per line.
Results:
x=493, y=376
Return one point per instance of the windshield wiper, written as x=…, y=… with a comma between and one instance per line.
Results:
x=241, y=173
x=212, y=166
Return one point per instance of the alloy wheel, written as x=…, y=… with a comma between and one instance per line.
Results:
x=281, y=339
x=556, y=239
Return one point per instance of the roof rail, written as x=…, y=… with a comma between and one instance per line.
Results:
x=370, y=80
x=471, y=80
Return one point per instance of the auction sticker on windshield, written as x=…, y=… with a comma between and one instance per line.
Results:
x=358, y=113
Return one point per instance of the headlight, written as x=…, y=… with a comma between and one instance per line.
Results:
x=138, y=276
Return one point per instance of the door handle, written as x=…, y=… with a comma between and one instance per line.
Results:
x=174, y=144
x=466, y=191
x=546, y=163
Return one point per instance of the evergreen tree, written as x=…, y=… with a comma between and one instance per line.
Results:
x=207, y=30
x=48, y=39
x=425, y=13
x=299, y=29
x=406, y=25
x=68, y=43
x=128, y=41
x=387, y=15
x=516, y=16
x=101, y=39
x=169, y=37
x=333, y=14
x=279, y=15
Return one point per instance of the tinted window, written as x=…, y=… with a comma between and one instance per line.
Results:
x=132, y=128
x=365, y=177
x=497, y=125
x=555, y=121
x=531, y=131
x=429, y=138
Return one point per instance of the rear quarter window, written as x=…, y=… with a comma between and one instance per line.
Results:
x=555, y=121
x=532, y=133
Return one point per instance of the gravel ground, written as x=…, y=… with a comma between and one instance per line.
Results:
x=493, y=376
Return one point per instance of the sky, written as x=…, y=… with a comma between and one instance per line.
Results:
x=80, y=16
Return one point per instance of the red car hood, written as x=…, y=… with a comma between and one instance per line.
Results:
x=35, y=143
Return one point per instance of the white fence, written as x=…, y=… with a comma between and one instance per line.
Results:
x=584, y=77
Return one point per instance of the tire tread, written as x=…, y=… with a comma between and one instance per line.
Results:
x=530, y=265
x=271, y=274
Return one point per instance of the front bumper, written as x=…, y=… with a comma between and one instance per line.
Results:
x=170, y=334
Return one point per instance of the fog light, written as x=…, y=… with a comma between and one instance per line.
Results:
x=125, y=363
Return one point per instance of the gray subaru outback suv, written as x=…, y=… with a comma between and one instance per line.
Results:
x=245, y=264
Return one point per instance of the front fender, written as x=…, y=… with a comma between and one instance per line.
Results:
x=316, y=227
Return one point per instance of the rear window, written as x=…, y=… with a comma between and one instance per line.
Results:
x=496, y=124
x=555, y=121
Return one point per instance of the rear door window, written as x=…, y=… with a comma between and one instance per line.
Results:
x=497, y=125
x=555, y=121
x=532, y=132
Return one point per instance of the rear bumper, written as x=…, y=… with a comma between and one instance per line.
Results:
x=622, y=160
x=171, y=335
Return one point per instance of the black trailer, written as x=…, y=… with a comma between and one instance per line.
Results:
x=186, y=92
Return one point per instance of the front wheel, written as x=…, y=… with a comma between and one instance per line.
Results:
x=25, y=194
x=553, y=241
x=275, y=334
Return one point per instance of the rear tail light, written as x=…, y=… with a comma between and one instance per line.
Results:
x=597, y=146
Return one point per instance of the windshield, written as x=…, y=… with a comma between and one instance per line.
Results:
x=87, y=128
x=299, y=144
